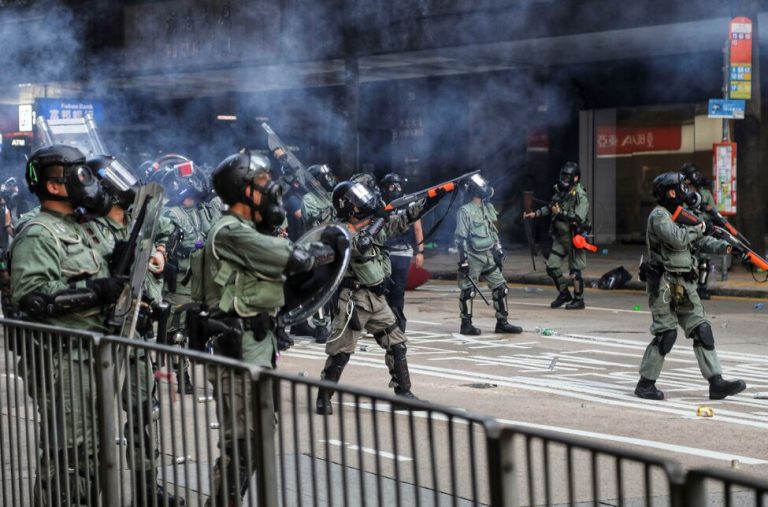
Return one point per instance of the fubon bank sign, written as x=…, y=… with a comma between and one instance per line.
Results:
x=67, y=109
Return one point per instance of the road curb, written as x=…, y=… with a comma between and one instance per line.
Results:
x=534, y=279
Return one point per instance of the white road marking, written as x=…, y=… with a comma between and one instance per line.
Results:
x=367, y=450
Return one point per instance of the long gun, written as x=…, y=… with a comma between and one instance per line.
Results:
x=283, y=153
x=720, y=221
x=429, y=193
x=738, y=247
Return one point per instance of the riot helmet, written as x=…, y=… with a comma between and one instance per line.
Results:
x=369, y=181
x=324, y=175
x=238, y=171
x=665, y=182
x=118, y=181
x=83, y=188
x=692, y=174
x=392, y=185
x=352, y=199
x=180, y=178
x=568, y=174
x=477, y=186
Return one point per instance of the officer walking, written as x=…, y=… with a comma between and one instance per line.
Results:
x=480, y=256
x=186, y=193
x=569, y=209
x=238, y=276
x=58, y=278
x=361, y=303
x=670, y=276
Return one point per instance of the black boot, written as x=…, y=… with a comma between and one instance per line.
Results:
x=578, y=292
x=321, y=334
x=153, y=493
x=302, y=329
x=331, y=373
x=184, y=384
x=503, y=326
x=468, y=329
x=576, y=304
x=719, y=388
x=646, y=389
x=561, y=299
x=400, y=375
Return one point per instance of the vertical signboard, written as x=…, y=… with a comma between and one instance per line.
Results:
x=724, y=163
x=740, y=58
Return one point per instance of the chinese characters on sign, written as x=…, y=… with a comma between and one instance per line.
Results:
x=67, y=109
x=740, y=72
x=724, y=162
x=615, y=141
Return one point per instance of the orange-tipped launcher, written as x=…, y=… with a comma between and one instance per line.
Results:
x=757, y=261
x=581, y=243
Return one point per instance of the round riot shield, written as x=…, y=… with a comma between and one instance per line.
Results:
x=308, y=293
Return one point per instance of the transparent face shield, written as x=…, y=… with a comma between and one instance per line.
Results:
x=119, y=176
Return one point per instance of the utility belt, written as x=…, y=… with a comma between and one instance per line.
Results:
x=223, y=334
x=651, y=274
x=350, y=283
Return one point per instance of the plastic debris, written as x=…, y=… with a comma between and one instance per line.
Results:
x=545, y=331
x=762, y=395
x=533, y=289
x=637, y=308
x=724, y=324
x=180, y=460
x=205, y=399
x=553, y=363
x=604, y=251
x=363, y=348
x=759, y=306
x=734, y=463
x=303, y=374
x=215, y=425
x=705, y=412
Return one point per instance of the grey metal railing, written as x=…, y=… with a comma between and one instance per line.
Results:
x=102, y=415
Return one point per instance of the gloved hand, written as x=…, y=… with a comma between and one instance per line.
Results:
x=464, y=268
x=364, y=241
x=335, y=238
x=106, y=289
x=708, y=228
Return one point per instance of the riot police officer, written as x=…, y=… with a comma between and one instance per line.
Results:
x=239, y=277
x=705, y=205
x=361, y=302
x=569, y=208
x=670, y=277
x=480, y=256
x=58, y=278
x=186, y=193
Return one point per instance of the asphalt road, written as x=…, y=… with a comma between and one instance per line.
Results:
x=580, y=380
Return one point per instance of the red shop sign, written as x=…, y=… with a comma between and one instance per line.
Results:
x=628, y=140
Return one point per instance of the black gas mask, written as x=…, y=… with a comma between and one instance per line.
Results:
x=665, y=182
x=270, y=206
x=84, y=190
x=118, y=181
x=568, y=174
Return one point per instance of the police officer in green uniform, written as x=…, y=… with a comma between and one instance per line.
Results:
x=239, y=277
x=569, y=209
x=480, y=256
x=702, y=209
x=316, y=211
x=104, y=232
x=362, y=303
x=186, y=213
x=58, y=278
x=670, y=276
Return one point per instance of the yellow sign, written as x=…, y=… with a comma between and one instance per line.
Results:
x=741, y=90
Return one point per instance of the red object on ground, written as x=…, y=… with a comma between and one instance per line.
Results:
x=417, y=277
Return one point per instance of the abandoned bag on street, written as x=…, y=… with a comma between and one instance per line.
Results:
x=614, y=279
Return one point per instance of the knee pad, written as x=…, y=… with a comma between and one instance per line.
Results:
x=703, y=337
x=467, y=294
x=665, y=341
x=398, y=350
x=500, y=292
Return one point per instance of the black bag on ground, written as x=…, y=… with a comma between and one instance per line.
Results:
x=614, y=279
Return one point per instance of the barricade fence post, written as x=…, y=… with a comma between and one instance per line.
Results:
x=502, y=475
x=266, y=450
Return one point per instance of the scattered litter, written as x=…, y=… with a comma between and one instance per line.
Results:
x=481, y=385
x=762, y=395
x=705, y=412
x=594, y=284
x=583, y=405
x=734, y=463
x=363, y=348
x=637, y=308
x=724, y=324
x=545, y=331
x=215, y=425
x=205, y=399
x=180, y=460
x=759, y=306
x=553, y=363
x=303, y=374
x=533, y=289
x=604, y=251
x=121, y=441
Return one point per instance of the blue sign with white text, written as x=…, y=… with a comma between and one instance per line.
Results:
x=65, y=109
x=726, y=108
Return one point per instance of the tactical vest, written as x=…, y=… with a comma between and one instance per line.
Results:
x=482, y=231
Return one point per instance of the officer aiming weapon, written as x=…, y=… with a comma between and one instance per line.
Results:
x=439, y=190
x=284, y=154
x=738, y=247
x=580, y=230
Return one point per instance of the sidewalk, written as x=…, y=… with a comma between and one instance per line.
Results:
x=518, y=269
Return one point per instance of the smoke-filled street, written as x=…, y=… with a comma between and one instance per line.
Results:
x=580, y=380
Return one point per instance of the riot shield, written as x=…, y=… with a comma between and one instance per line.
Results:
x=306, y=293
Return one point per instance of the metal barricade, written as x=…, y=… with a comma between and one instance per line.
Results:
x=93, y=420
x=49, y=422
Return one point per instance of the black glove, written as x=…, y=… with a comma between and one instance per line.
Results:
x=364, y=241
x=335, y=238
x=106, y=289
x=464, y=268
x=708, y=227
